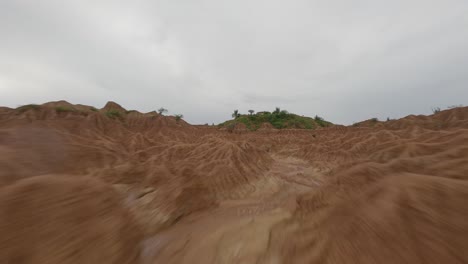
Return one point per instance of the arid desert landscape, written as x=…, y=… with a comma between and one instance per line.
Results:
x=80, y=184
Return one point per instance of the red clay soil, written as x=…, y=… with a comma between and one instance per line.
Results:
x=86, y=185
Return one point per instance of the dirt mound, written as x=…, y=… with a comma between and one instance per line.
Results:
x=447, y=119
x=113, y=106
x=61, y=103
x=145, y=188
x=373, y=122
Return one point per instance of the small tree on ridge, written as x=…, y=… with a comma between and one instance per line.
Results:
x=178, y=117
x=162, y=111
x=236, y=114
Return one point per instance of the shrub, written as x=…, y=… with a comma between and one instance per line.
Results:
x=283, y=114
x=308, y=125
x=245, y=120
x=320, y=121
x=94, y=109
x=114, y=114
x=25, y=108
x=435, y=110
x=277, y=124
x=178, y=117
x=64, y=109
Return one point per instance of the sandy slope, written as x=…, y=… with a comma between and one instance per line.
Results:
x=78, y=186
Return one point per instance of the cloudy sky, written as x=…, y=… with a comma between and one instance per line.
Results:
x=344, y=60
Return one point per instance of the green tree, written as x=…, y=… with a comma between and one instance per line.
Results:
x=162, y=111
x=235, y=114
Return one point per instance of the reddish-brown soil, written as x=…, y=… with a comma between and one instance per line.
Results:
x=84, y=185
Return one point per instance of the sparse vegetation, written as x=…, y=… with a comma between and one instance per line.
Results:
x=25, y=108
x=64, y=109
x=162, y=111
x=278, y=119
x=114, y=114
x=178, y=117
x=436, y=110
x=454, y=106
x=368, y=123
x=320, y=121
x=94, y=109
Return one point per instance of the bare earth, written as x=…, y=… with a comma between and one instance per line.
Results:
x=80, y=186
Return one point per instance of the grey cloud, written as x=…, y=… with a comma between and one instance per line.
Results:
x=344, y=60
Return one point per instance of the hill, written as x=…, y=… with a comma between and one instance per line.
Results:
x=80, y=184
x=277, y=119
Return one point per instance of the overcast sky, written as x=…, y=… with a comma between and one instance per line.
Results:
x=344, y=60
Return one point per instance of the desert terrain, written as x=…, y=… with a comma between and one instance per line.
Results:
x=85, y=185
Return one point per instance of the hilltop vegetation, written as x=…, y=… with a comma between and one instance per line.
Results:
x=279, y=119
